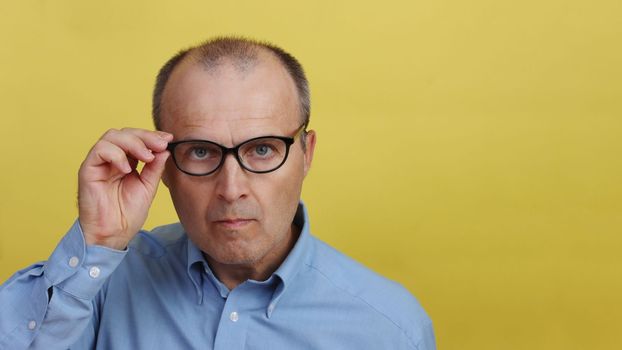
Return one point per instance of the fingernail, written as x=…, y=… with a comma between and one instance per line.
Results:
x=165, y=135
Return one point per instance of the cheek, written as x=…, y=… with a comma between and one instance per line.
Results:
x=280, y=195
x=190, y=198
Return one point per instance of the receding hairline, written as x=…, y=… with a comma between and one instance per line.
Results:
x=244, y=55
x=242, y=65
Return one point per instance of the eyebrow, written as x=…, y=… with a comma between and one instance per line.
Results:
x=191, y=138
x=301, y=127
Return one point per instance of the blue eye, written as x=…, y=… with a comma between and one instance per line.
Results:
x=259, y=152
x=262, y=150
x=199, y=152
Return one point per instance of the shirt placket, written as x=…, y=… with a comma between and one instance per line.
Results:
x=231, y=333
x=244, y=304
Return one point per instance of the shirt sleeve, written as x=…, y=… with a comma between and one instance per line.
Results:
x=428, y=341
x=51, y=303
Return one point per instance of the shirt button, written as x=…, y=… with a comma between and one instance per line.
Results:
x=74, y=261
x=32, y=325
x=234, y=316
x=94, y=272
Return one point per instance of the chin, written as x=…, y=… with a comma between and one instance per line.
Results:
x=233, y=252
x=236, y=259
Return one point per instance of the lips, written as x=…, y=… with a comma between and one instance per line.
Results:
x=233, y=222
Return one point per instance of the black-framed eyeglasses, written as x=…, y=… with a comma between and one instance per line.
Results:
x=258, y=155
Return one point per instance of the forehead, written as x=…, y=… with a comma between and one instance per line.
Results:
x=228, y=103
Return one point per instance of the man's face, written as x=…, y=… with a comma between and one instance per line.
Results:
x=234, y=216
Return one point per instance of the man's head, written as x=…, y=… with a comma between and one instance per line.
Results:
x=228, y=91
x=239, y=51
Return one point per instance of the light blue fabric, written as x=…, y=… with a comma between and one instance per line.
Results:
x=161, y=294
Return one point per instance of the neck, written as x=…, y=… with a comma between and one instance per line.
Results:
x=232, y=275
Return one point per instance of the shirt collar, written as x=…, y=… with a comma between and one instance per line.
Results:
x=297, y=256
x=288, y=270
x=196, y=262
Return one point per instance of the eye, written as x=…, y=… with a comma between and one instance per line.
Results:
x=199, y=153
x=263, y=150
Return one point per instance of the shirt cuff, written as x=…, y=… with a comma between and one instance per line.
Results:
x=80, y=269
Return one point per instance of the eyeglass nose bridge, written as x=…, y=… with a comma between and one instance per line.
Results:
x=225, y=151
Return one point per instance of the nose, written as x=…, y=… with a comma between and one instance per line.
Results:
x=232, y=182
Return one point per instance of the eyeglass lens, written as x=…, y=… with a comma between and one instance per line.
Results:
x=259, y=155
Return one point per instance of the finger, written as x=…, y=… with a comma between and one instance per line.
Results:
x=154, y=140
x=152, y=172
x=106, y=152
x=131, y=144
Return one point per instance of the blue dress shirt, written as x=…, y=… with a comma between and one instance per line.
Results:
x=161, y=294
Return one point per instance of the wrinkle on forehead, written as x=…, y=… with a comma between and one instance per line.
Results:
x=189, y=122
x=230, y=132
x=233, y=118
x=228, y=105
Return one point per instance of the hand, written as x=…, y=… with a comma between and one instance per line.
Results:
x=113, y=198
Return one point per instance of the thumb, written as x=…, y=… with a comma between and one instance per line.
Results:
x=152, y=171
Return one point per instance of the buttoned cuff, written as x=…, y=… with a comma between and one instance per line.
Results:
x=80, y=269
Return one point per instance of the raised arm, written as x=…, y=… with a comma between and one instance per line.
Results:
x=50, y=305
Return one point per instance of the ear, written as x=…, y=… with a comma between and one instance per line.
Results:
x=165, y=173
x=310, y=139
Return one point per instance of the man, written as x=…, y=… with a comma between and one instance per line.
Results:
x=241, y=269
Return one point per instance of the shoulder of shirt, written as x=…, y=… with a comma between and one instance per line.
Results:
x=155, y=243
x=381, y=295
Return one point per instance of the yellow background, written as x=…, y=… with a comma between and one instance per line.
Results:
x=470, y=150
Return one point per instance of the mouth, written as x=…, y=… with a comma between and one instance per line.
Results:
x=234, y=223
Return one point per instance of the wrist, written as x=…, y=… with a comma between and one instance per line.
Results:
x=105, y=236
x=116, y=244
